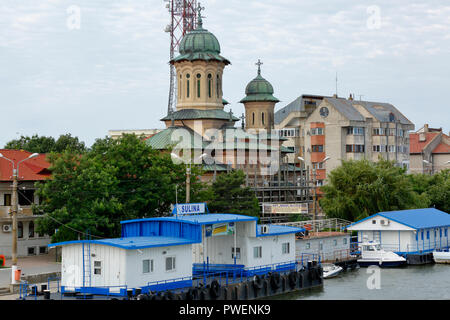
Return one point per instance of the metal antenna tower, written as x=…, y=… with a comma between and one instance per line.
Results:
x=183, y=19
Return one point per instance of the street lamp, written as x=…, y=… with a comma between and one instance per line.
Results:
x=188, y=174
x=15, y=176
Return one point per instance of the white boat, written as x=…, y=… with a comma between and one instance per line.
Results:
x=373, y=254
x=330, y=270
x=441, y=256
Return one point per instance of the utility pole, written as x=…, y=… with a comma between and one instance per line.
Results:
x=14, y=218
x=14, y=209
x=188, y=183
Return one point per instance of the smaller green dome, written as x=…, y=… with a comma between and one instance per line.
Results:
x=259, y=89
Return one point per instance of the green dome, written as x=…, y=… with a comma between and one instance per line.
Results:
x=200, y=44
x=198, y=41
x=259, y=89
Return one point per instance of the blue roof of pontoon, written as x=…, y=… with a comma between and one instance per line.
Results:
x=275, y=230
x=416, y=218
x=133, y=242
x=209, y=218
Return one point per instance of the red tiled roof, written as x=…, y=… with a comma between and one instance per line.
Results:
x=31, y=170
x=416, y=146
x=442, y=148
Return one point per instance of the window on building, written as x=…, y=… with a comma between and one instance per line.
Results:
x=253, y=118
x=170, y=263
x=355, y=148
x=19, y=230
x=257, y=252
x=428, y=235
x=43, y=250
x=26, y=197
x=262, y=118
x=357, y=131
x=335, y=242
x=97, y=267
x=218, y=86
x=285, y=248
x=147, y=266
x=318, y=165
x=344, y=241
x=374, y=221
x=391, y=148
x=321, y=245
x=31, y=251
x=7, y=199
x=308, y=245
x=317, y=131
x=421, y=235
x=198, y=84
x=209, y=85
x=31, y=229
x=317, y=148
x=378, y=131
x=376, y=148
x=238, y=253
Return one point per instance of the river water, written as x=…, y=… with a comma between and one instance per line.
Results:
x=426, y=282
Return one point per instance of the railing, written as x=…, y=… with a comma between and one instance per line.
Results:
x=335, y=224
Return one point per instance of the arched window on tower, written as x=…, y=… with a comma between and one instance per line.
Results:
x=253, y=118
x=218, y=86
x=262, y=118
x=180, y=87
x=198, y=84
x=188, y=89
x=209, y=85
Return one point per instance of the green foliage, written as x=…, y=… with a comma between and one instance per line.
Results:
x=229, y=195
x=47, y=144
x=435, y=188
x=116, y=180
x=358, y=189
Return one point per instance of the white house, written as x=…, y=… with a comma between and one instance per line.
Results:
x=406, y=231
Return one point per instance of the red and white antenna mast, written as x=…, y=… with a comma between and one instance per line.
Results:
x=183, y=19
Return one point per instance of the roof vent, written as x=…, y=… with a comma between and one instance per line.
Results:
x=422, y=137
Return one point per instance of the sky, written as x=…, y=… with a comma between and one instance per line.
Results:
x=88, y=66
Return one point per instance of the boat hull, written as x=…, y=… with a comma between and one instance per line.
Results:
x=384, y=264
x=441, y=257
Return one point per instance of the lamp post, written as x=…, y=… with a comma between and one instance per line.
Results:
x=14, y=205
x=188, y=174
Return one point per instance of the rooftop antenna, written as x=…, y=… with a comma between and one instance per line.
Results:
x=336, y=84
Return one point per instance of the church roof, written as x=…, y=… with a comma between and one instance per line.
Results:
x=183, y=139
x=194, y=114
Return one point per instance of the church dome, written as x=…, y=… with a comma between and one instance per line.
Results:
x=200, y=44
x=199, y=41
x=259, y=89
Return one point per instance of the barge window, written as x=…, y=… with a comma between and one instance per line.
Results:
x=285, y=248
x=170, y=263
x=257, y=252
x=238, y=253
x=147, y=266
x=97, y=267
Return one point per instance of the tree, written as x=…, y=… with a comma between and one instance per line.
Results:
x=229, y=195
x=358, y=189
x=114, y=181
x=45, y=144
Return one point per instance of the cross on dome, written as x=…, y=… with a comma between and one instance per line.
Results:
x=199, y=10
x=259, y=63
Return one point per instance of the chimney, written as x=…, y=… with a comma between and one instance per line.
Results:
x=351, y=97
x=425, y=127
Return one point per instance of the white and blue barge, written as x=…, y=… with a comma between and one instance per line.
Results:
x=184, y=252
